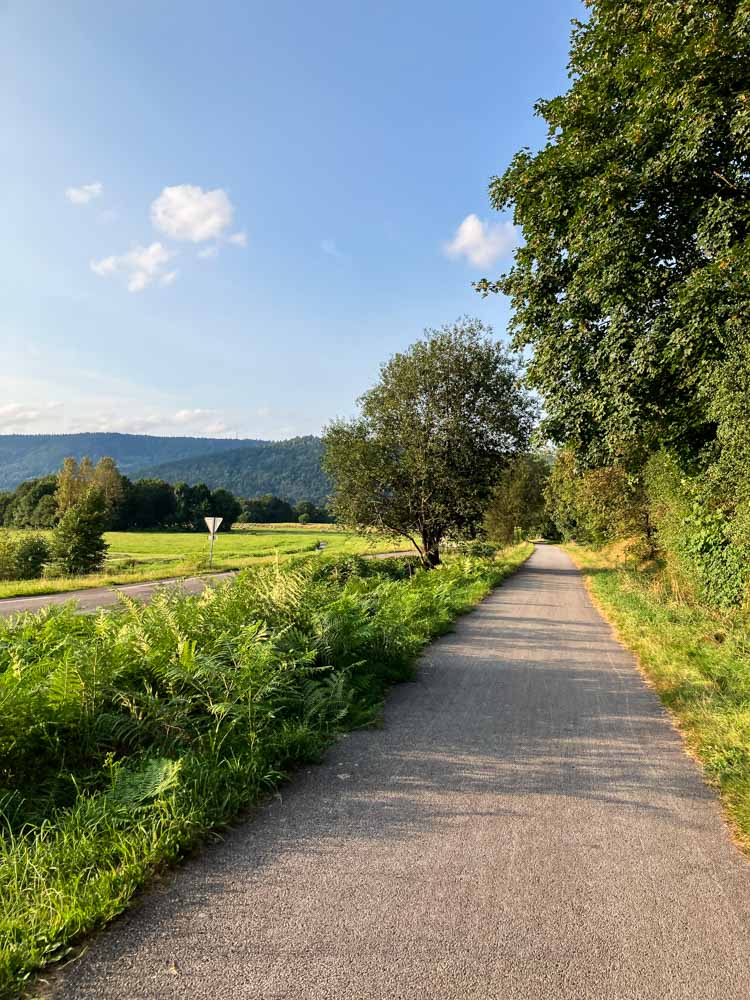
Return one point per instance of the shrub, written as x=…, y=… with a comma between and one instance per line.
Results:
x=595, y=505
x=7, y=556
x=32, y=552
x=694, y=534
x=22, y=556
x=478, y=549
x=78, y=545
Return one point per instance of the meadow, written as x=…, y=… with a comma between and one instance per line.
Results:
x=127, y=736
x=135, y=556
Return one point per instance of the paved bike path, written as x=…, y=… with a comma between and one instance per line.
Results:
x=526, y=825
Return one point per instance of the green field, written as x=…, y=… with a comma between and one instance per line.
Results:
x=135, y=556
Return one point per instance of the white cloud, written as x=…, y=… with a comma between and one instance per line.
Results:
x=239, y=239
x=329, y=247
x=482, y=243
x=208, y=252
x=84, y=194
x=140, y=266
x=169, y=278
x=187, y=212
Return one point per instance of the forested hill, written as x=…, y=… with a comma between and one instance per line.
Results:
x=27, y=456
x=289, y=469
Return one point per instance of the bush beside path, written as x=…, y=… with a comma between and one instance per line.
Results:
x=526, y=824
x=126, y=737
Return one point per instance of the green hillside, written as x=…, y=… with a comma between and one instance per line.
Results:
x=27, y=456
x=290, y=469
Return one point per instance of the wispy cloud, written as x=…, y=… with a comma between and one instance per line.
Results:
x=329, y=247
x=20, y=418
x=140, y=266
x=207, y=252
x=482, y=243
x=202, y=422
x=84, y=194
x=238, y=239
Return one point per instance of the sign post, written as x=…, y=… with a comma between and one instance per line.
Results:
x=212, y=523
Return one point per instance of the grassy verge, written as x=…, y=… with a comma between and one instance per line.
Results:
x=697, y=660
x=139, y=556
x=125, y=738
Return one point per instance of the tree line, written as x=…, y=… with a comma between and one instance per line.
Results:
x=145, y=504
x=632, y=287
x=141, y=505
x=84, y=500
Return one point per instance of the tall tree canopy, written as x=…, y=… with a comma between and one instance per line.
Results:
x=432, y=438
x=634, y=278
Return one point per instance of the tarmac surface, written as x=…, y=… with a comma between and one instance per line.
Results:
x=526, y=825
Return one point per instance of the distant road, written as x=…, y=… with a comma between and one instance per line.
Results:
x=109, y=597
x=106, y=597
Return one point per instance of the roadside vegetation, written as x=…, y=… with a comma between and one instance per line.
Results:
x=630, y=289
x=136, y=557
x=697, y=658
x=125, y=738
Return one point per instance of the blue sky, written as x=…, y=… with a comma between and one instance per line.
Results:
x=221, y=218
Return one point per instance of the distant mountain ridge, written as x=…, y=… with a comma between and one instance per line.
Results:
x=28, y=456
x=289, y=469
x=250, y=467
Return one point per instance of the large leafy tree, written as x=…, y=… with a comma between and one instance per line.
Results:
x=432, y=437
x=634, y=276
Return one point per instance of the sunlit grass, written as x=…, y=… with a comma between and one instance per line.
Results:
x=138, y=556
x=697, y=660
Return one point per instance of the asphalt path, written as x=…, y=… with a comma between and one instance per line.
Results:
x=526, y=825
x=94, y=598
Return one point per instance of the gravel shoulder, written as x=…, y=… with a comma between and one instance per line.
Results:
x=526, y=825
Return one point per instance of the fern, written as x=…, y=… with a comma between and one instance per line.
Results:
x=154, y=779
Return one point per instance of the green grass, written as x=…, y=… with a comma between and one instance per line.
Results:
x=699, y=663
x=126, y=737
x=136, y=556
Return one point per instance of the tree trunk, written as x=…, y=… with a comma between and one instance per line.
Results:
x=430, y=552
x=649, y=532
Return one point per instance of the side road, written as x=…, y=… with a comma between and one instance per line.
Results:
x=108, y=597
x=526, y=826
